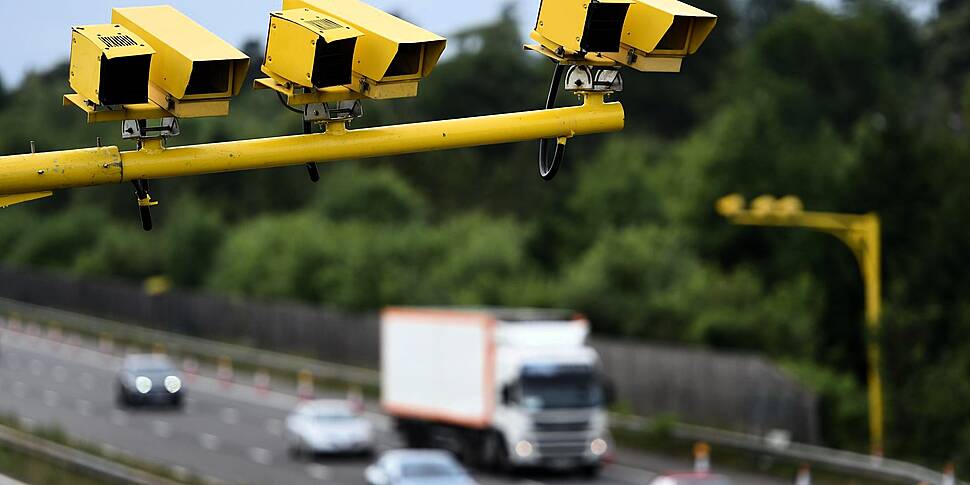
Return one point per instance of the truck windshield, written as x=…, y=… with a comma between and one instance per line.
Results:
x=561, y=389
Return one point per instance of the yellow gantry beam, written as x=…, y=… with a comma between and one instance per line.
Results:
x=41, y=172
x=862, y=234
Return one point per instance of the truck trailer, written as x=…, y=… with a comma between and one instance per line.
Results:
x=500, y=388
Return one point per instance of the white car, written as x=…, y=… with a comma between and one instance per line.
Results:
x=329, y=427
x=417, y=467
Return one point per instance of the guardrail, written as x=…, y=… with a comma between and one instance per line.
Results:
x=854, y=464
x=847, y=462
x=182, y=344
x=98, y=468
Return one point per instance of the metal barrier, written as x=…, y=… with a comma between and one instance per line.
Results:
x=99, y=468
x=181, y=344
x=847, y=462
x=854, y=464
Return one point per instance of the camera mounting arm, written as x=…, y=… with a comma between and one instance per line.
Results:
x=40, y=172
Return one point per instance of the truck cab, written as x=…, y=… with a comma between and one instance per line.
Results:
x=552, y=395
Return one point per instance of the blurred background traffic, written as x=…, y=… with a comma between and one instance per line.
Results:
x=855, y=107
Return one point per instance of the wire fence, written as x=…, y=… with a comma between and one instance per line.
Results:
x=737, y=392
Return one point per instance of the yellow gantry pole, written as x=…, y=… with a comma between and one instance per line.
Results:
x=861, y=232
x=39, y=173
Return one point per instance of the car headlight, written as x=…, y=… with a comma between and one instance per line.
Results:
x=143, y=384
x=524, y=449
x=173, y=384
x=598, y=446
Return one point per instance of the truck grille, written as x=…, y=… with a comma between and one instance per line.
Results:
x=553, y=426
x=552, y=447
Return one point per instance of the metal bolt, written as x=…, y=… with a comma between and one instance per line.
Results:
x=33, y=146
x=40, y=172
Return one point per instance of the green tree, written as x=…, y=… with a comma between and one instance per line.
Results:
x=190, y=235
x=372, y=194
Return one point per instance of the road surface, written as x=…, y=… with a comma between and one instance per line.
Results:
x=227, y=433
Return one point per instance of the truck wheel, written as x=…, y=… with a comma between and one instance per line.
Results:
x=496, y=453
x=590, y=471
x=416, y=436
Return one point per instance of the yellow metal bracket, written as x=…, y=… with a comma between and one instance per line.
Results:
x=9, y=200
x=580, y=60
x=299, y=96
x=99, y=114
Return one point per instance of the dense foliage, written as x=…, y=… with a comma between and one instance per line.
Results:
x=861, y=110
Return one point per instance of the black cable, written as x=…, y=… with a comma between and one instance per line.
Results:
x=283, y=101
x=311, y=167
x=549, y=169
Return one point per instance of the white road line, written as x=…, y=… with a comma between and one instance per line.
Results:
x=211, y=480
x=179, y=472
x=229, y=416
x=27, y=423
x=162, y=429
x=108, y=450
x=60, y=374
x=319, y=472
x=84, y=408
x=119, y=418
x=50, y=399
x=261, y=456
x=209, y=441
x=19, y=389
x=36, y=367
x=274, y=427
x=87, y=381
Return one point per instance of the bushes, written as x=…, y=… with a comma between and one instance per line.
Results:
x=366, y=265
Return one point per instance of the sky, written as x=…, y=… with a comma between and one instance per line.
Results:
x=37, y=33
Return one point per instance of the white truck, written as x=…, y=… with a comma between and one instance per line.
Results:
x=499, y=388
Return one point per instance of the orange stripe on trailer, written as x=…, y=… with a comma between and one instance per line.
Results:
x=416, y=412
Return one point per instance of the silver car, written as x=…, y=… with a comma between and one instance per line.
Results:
x=149, y=379
x=417, y=467
x=328, y=427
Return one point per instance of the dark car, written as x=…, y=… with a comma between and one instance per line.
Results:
x=149, y=379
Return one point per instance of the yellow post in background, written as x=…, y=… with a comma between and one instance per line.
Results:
x=861, y=232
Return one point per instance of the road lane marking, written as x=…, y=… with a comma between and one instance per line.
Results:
x=162, y=429
x=50, y=399
x=179, y=472
x=274, y=427
x=261, y=456
x=87, y=381
x=36, y=367
x=319, y=472
x=209, y=441
x=27, y=423
x=229, y=416
x=119, y=418
x=84, y=408
x=60, y=374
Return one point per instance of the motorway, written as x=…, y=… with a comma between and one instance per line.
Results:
x=227, y=432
